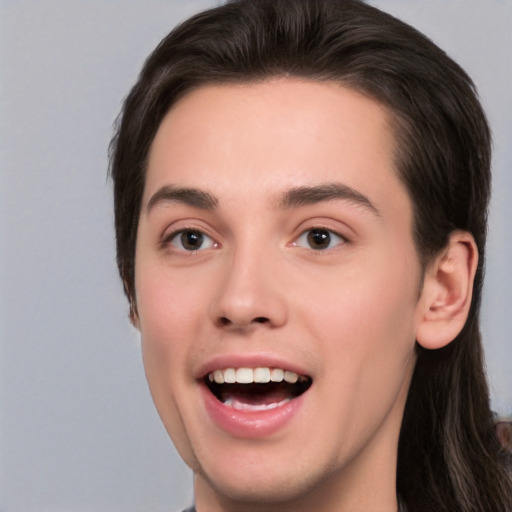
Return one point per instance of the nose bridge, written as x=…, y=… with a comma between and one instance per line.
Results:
x=249, y=292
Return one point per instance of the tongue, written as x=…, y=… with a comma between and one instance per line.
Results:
x=255, y=397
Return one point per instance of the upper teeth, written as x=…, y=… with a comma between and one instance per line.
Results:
x=251, y=375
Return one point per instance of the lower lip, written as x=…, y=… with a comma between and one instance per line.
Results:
x=250, y=424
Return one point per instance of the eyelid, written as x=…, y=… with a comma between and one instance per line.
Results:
x=335, y=236
x=337, y=225
x=167, y=239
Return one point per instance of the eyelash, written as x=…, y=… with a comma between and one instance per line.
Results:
x=306, y=238
x=190, y=232
x=321, y=234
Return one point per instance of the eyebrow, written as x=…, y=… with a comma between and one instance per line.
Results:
x=184, y=195
x=308, y=195
x=293, y=198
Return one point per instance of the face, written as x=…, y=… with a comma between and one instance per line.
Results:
x=277, y=289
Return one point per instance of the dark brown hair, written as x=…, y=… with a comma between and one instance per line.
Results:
x=449, y=458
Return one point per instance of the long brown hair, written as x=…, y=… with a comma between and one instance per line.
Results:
x=449, y=458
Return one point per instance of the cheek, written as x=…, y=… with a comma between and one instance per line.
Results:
x=165, y=322
x=367, y=316
x=173, y=319
x=168, y=314
x=168, y=304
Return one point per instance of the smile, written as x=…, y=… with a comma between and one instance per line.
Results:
x=256, y=389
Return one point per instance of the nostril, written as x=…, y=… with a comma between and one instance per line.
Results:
x=226, y=322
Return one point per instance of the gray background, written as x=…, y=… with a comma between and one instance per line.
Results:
x=78, y=431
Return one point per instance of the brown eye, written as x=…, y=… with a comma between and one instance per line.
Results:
x=191, y=240
x=319, y=239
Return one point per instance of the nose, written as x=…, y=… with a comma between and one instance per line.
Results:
x=249, y=293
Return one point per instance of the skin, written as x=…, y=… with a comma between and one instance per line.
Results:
x=347, y=315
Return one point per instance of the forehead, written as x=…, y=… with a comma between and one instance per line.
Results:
x=273, y=136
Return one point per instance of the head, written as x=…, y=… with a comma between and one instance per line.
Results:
x=440, y=154
x=442, y=138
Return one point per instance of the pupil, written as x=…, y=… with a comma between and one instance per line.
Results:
x=319, y=238
x=191, y=240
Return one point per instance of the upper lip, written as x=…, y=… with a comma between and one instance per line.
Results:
x=247, y=360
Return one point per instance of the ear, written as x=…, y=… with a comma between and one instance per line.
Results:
x=447, y=292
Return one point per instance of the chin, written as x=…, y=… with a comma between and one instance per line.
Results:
x=254, y=490
x=247, y=483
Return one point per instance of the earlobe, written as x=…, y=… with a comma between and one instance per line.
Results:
x=447, y=292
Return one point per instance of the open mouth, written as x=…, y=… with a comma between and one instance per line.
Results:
x=256, y=389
